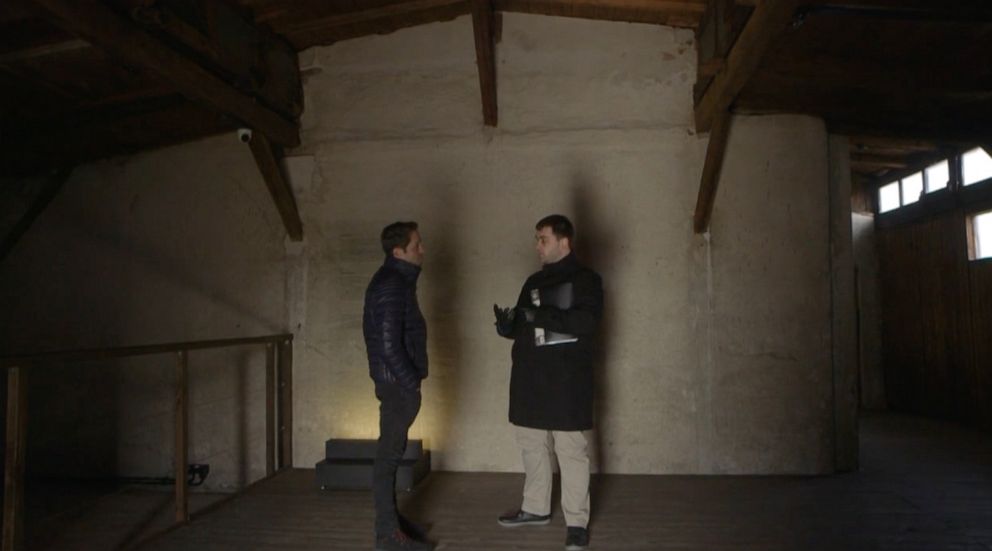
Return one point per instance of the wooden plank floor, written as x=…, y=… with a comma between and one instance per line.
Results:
x=924, y=485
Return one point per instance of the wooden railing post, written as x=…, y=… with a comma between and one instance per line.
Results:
x=13, y=476
x=270, y=408
x=285, y=403
x=182, y=437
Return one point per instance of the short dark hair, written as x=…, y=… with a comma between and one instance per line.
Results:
x=397, y=234
x=559, y=224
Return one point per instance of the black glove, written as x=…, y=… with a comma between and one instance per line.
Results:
x=504, y=320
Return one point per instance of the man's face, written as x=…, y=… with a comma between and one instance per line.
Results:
x=414, y=252
x=550, y=249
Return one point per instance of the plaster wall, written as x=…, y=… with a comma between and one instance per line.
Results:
x=716, y=352
x=716, y=349
x=172, y=245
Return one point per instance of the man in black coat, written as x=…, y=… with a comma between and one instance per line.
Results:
x=396, y=342
x=551, y=383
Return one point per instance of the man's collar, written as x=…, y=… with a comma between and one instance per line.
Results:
x=408, y=269
x=566, y=261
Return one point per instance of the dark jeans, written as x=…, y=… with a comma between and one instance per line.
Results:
x=398, y=408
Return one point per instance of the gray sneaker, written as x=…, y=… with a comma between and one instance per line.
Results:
x=523, y=518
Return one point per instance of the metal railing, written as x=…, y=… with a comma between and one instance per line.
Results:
x=278, y=413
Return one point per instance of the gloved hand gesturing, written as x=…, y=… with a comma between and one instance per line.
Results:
x=504, y=320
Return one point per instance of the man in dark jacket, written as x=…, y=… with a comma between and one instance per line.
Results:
x=396, y=342
x=551, y=383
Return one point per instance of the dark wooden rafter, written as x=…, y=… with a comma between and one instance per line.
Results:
x=953, y=11
x=50, y=189
x=879, y=161
x=721, y=24
x=933, y=125
x=674, y=13
x=712, y=167
x=43, y=50
x=317, y=23
x=768, y=20
x=97, y=23
x=226, y=41
x=316, y=15
x=268, y=157
x=483, y=23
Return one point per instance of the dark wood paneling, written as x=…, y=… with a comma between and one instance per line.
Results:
x=936, y=320
x=981, y=324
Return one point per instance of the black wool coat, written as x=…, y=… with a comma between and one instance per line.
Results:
x=551, y=386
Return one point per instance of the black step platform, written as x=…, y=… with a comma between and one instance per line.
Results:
x=348, y=465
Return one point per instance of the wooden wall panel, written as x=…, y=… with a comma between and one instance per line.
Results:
x=981, y=316
x=936, y=321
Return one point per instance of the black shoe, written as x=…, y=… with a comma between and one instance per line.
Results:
x=523, y=518
x=399, y=541
x=577, y=539
x=415, y=530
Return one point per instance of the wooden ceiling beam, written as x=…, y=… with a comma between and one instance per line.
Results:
x=483, y=25
x=869, y=142
x=43, y=50
x=328, y=15
x=268, y=158
x=226, y=41
x=948, y=11
x=949, y=131
x=675, y=13
x=906, y=114
x=878, y=161
x=712, y=167
x=768, y=20
x=97, y=23
x=719, y=28
x=322, y=23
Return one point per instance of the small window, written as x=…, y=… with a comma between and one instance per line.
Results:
x=982, y=234
x=888, y=197
x=912, y=188
x=937, y=176
x=976, y=166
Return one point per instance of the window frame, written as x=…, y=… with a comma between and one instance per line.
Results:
x=973, y=240
x=961, y=168
x=954, y=186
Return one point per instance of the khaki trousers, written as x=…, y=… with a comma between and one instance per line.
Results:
x=572, y=449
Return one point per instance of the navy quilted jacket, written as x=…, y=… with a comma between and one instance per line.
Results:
x=395, y=330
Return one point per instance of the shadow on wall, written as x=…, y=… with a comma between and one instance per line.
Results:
x=595, y=246
x=73, y=419
x=187, y=272
x=445, y=324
